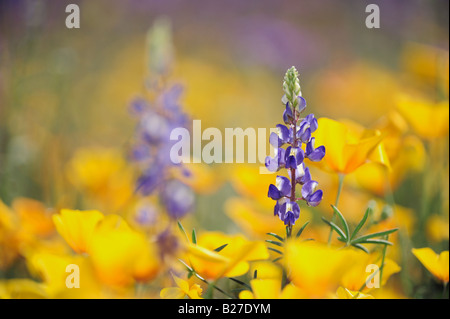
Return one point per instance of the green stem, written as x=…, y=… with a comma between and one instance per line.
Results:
x=382, y=259
x=444, y=290
x=338, y=195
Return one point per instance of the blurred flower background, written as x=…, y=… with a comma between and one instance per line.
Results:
x=84, y=168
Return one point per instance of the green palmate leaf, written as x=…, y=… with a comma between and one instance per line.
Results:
x=194, y=237
x=274, y=242
x=336, y=228
x=276, y=236
x=182, y=230
x=275, y=250
x=302, y=229
x=378, y=234
x=377, y=241
x=362, y=222
x=359, y=246
x=220, y=248
x=343, y=221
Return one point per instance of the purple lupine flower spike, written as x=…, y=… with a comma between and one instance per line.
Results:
x=297, y=133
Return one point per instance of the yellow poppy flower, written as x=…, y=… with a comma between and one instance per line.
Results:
x=357, y=273
x=121, y=255
x=203, y=178
x=316, y=268
x=77, y=227
x=243, y=180
x=34, y=217
x=253, y=219
x=437, y=228
x=436, y=264
x=428, y=119
x=347, y=146
x=406, y=153
x=231, y=261
x=102, y=175
x=267, y=285
x=22, y=289
x=53, y=270
x=9, y=241
x=184, y=288
x=344, y=293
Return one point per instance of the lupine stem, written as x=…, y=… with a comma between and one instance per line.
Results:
x=293, y=170
x=338, y=195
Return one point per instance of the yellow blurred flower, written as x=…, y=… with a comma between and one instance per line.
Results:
x=202, y=178
x=254, y=220
x=77, y=227
x=9, y=241
x=427, y=65
x=344, y=293
x=249, y=183
x=361, y=90
x=103, y=176
x=428, y=119
x=34, y=217
x=436, y=264
x=121, y=255
x=437, y=228
x=231, y=261
x=53, y=270
x=348, y=146
x=316, y=268
x=356, y=274
x=184, y=288
x=21, y=289
x=406, y=154
x=267, y=285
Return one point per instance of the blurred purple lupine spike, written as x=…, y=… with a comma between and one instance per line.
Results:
x=152, y=151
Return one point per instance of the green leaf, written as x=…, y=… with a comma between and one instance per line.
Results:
x=276, y=236
x=359, y=246
x=378, y=234
x=194, y=236
x=342, y=239
x=335, y=227
x=276, y=259
x=255, y=274
x=302, y=229
x=186, y=265
x=275, y=250
x=240, y=282
x=377, y=241
x=362, y=222
x=182, y=230
x=274, y=242
x=342, y=219
x=220, y=248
